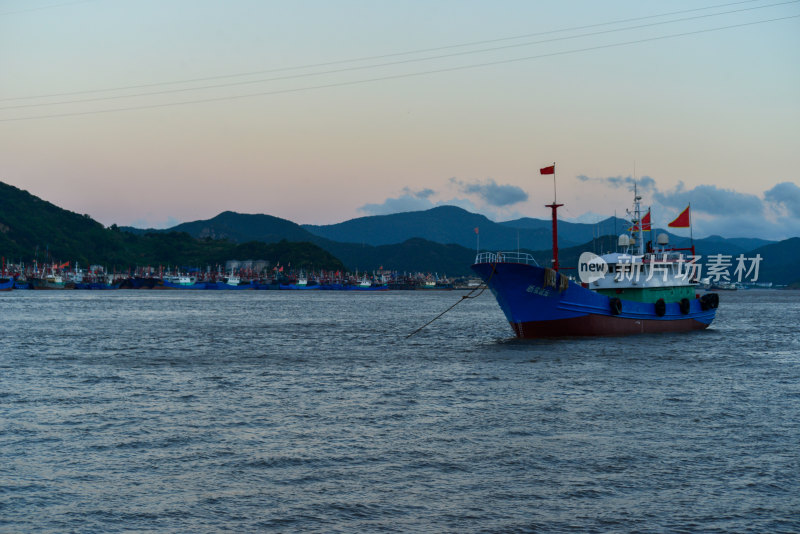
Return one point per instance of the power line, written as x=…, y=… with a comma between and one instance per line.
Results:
x=387, y=64
x=369, y=58
x=399, y=76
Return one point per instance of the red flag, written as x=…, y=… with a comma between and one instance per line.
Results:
x=646, y=222
x=681, y=221
x=548, y=170
x=476, y=229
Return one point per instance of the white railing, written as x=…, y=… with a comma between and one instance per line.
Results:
x=505, y=257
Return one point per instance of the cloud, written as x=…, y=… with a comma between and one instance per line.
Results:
x=643, y=183
x=747, y=226
x=717, y=210
x=712, y=200
x=411, y=200
x=786, y=195
x=408, y=201
x=423, y=193
x=492, y=193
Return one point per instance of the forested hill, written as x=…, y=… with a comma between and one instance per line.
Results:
x=34, y=229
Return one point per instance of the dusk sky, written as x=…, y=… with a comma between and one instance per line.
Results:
x=157, y=112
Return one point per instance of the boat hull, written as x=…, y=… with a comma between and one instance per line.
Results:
x=193, y=286
x=41, y=283
x=536, y=310
x=96, y=286
x=350, y=287
x=140, y=282
x=600, y=325
x=224, y=286
x=368, y=288
x=298, y=287
x=267, y=286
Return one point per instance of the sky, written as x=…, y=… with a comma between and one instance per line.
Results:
x=150, y=113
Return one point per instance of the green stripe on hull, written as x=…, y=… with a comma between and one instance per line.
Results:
x=650, y=294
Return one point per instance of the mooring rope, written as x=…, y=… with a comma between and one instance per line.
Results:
x=469, y=295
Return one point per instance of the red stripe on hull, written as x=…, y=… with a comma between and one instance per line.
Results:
x=602, y=325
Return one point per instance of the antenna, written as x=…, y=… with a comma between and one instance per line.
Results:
x=615, y=225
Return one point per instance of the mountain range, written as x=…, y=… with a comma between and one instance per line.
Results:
x=441, y=239
x=443, y=224
x=444, y=239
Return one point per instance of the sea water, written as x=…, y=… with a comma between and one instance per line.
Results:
x=178, y=411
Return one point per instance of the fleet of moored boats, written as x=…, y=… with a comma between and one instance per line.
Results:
x=54, y=279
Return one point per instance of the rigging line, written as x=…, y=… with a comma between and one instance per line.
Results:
x=368, y=58
x=397, y=76
x=469, y=295
x=388, y=64
x=462, y=299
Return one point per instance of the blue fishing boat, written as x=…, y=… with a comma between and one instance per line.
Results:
x=301, y=283
x=183, y=282
x=97, y=286
x=140, y=282
x=232, y=283
x=6, y=284
x=268, y=284
x=540, y=302
x=634, y=290
x=333, y=286
x=365, y=284
x=53, y=281
x=22, y=283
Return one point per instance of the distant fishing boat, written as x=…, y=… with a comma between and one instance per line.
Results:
x=22, y=283
x=6, y=284
x=49, y=282
x=268, y=284
x=542, y=302
x=97, y=286
x=333, y=286
x=232, y=282
x=183, y=282
x=723, y=286
x=140, y=282
x=301, y=283
x=365, y=284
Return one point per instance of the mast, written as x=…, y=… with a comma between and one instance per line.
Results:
x=554, y=207
x=637, y=222
x=691, y=233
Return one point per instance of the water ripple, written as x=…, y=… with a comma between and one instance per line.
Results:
x=201, y=412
